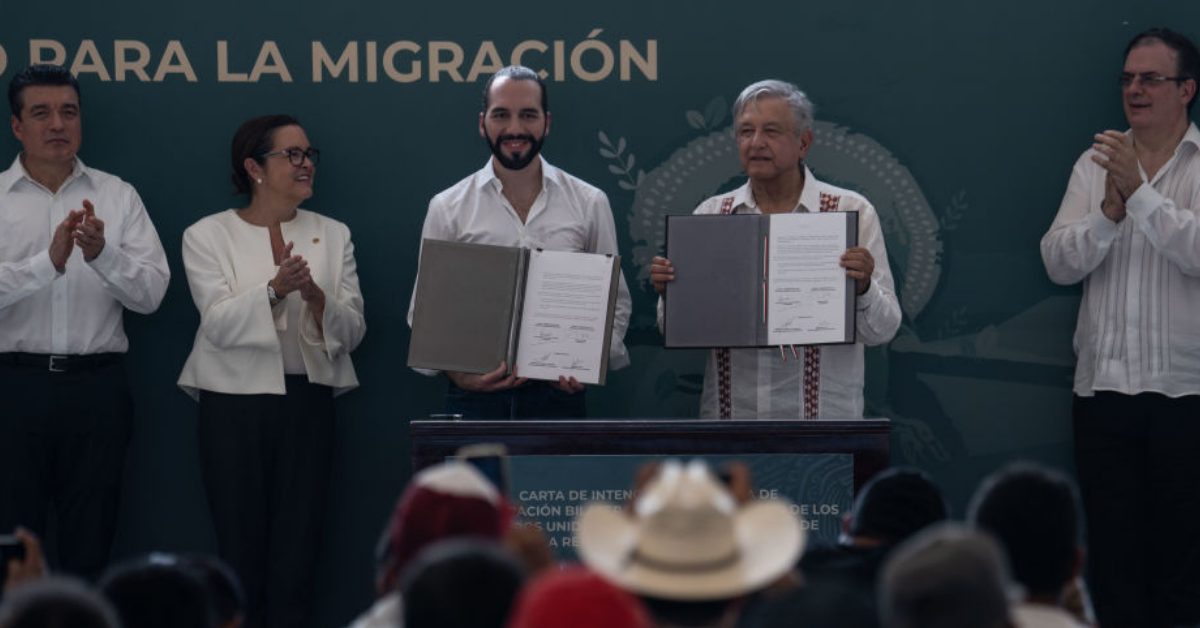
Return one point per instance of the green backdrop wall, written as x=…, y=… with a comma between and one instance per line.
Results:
x=960, y=121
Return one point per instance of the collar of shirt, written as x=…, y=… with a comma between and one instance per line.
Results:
x=550, y=175
x=810, y=196
x=1191, y=137
x=18, y=173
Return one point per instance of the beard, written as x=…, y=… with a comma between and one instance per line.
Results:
x=519, y=161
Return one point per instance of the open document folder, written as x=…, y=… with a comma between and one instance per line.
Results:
x=549, y=313
x=749, y=280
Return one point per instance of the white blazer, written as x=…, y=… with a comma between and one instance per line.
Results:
x=228, y=263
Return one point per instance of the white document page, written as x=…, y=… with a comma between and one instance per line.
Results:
x=805, y=286
x=565, y=315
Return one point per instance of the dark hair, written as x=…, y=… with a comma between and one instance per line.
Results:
x=224, y=588
x=946, y=576
x=896, y=504
x=687, y=612
x=825, y=600
x=56, y=601
x=1187, y=57
x=465, y=583
x=1034, y=512
x=516, y=73
x=35, y=75
x=158, y=590
x=253, y=139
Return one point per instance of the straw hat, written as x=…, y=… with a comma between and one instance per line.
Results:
x=687, y=539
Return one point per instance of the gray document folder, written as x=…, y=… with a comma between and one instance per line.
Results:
x=463, y=316
x=469, y=304
x=718, y=298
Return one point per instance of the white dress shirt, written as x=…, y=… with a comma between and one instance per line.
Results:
x=238, y=348
x=79, y=311
x=1139, y=321
x=820, y=382
x=567, y=215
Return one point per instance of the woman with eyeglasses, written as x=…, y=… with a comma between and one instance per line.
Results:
x=280, y=312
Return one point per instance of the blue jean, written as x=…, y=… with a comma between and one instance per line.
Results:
x=533, y=400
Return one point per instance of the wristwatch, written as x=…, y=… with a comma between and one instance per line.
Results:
x=274, y=298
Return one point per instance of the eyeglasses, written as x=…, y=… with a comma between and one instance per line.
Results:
x=296, y=156
x=1148, y=79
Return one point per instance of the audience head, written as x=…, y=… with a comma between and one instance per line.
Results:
x=896, y=504
x=946, y=576
x=688, y=546
x=225, y=591
x=56, y=602
x=465, y=583
x=823, y=602
x=445, y=501
x=158, y=590
x=1033, y=511
x=578, y=598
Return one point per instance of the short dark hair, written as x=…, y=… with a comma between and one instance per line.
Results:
x=1034, y=512
x=253, y=139
x=158, y=590
x=687, y=612
x=225, y=590
x=56, y=601
x=896, y=504
x=516, y=73
x=435, y=583
x=824, y=600
x=36, y=75
x=1187, y=57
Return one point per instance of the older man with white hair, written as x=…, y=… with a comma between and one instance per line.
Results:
x=773, y=128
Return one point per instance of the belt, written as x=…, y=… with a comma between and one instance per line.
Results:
x=61, y=363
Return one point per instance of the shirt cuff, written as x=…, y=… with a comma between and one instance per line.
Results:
x=104, y=262
x=43, y=269
x=1143, y=199
x=1099, y=224
x=310, y=332
x=867, y=298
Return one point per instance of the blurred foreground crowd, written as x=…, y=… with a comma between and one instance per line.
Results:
x=693, y=548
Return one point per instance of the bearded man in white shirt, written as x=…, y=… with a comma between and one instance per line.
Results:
x=76, y=249
x=773, y=130
x=1128, y=229
x=519, y=199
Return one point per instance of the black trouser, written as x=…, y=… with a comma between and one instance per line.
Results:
x=1139, y=475
x=266, y=463
x=63, y=439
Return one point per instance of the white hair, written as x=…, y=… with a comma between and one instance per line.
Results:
x=801, y=106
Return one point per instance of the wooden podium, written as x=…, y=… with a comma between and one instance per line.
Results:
x=867, y=440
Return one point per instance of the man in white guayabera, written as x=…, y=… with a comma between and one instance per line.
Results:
x=773, y=128
x=1127, y=228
